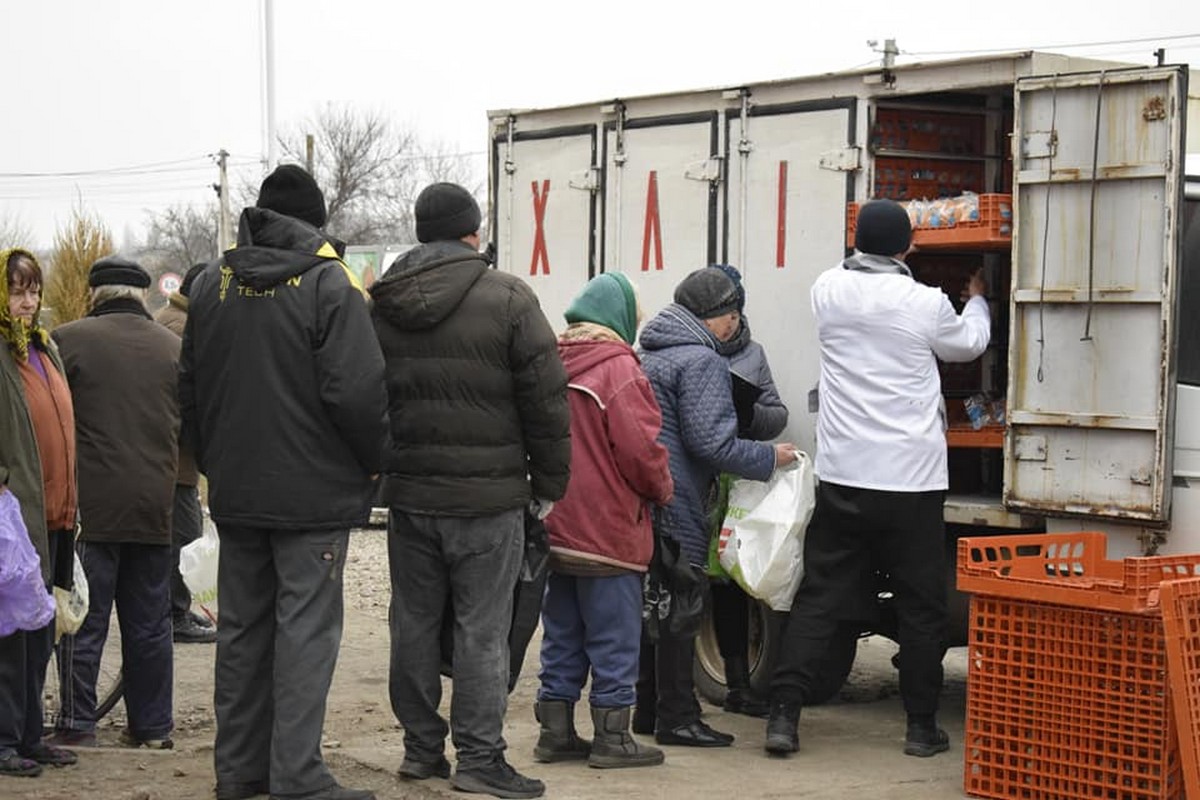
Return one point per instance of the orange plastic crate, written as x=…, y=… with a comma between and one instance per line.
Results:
x=992, y=230
x=1068, y=691
x=1068, y=569
x=1066, y=703
x=1181, y=620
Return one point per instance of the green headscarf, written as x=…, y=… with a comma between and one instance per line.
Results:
x=607, y=300
x=14, y=330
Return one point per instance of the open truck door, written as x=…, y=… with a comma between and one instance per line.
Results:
x=1098, y=191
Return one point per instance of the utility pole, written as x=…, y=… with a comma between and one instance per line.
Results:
x=224, y=224
x=308, y=152
x=269, y=82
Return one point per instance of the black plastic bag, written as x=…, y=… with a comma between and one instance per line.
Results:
x=673, y=592
x=527, y=603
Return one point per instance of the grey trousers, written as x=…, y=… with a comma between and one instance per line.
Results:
x=475, y=561
x=280, y=607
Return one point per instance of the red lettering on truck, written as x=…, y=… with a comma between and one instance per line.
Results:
x=781, y=219
x=653, y=226
x=539, y=231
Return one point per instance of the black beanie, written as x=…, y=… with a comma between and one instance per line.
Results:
x=117, y=271
x=882, y=228
x=185, y=285
x=292, y=191
x=707, y=293
x=445, y=212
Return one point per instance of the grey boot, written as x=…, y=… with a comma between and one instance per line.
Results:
x=613, y=746
x=558, y=740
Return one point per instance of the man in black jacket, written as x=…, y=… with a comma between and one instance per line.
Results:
x=281, y=389
x=479, y=429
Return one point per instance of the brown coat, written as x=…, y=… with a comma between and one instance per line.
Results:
x=20, y=461
x=123, y=370
x=174, y=316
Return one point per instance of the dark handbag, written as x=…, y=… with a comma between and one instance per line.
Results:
x=673, y=591
x=527, y=603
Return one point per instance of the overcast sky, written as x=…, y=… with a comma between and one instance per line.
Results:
x=93, y=86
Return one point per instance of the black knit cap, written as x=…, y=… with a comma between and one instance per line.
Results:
x=707, y=293
x=446, y=211
x=292, y=191
x=117, y=271
x=882, y=229
x=185, y=286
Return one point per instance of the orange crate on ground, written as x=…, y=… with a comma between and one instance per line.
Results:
x=1066, y=703
x=1067, y=568
x=1181, y=620
x=992, y=229
x=1068, y=694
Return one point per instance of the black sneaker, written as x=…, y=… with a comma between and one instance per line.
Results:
x=413, y=770
x=925, y=740
x=188, y=630
x=783, y=737
x=498, y=779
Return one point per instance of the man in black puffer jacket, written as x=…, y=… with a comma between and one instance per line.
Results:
x=480, y=427
x=281, y=392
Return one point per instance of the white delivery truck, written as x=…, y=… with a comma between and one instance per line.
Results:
x=1065, y=181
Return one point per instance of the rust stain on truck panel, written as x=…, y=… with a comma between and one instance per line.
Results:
x=1155, y=109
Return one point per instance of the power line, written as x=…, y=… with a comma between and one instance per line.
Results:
x=133, y=168
x=1150, y=39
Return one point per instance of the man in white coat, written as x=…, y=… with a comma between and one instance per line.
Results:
x=881, y=461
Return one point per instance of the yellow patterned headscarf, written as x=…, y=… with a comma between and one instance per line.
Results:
x=13, y=330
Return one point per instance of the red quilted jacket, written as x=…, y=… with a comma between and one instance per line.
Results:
x=617, y=465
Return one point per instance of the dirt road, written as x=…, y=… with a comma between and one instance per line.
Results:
x=849, y=748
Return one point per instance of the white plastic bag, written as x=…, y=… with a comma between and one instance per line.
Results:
x=762, y=539
x=198, y=566
x=72, y=606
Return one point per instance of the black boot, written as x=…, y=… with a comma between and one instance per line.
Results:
x=924, y=738
x=558, y=740
x=782, y=725
x=739, y=697
x=612, y=745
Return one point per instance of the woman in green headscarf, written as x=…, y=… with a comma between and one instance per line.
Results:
x=37, y=464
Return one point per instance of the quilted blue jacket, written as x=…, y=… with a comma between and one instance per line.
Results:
x=699, y=425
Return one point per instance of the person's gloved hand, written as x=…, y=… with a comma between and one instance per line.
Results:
x=541, y=508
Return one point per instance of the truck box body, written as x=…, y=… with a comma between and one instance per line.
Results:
x=1084, y=285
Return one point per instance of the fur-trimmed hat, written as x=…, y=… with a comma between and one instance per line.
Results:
x=117, y=271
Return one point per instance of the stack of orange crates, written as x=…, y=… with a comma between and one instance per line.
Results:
x=1068, y=690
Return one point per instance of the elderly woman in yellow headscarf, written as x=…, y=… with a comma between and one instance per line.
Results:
x=37, y=464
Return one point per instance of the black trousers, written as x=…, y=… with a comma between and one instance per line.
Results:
x=731, y=619
x=187, y=523
x=855, y=533
x=24, y=657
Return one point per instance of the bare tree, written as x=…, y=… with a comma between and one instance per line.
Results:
x=371, y=171
x=181, y=236
x=82, y=241
x=363, y=163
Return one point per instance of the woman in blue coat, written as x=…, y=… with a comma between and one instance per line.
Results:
x=691, y=381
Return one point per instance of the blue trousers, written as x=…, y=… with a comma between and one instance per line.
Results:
x=591, y=623
x=137, y=577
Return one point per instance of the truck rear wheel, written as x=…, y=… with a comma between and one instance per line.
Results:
x=708, y=669
x=766, y=633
